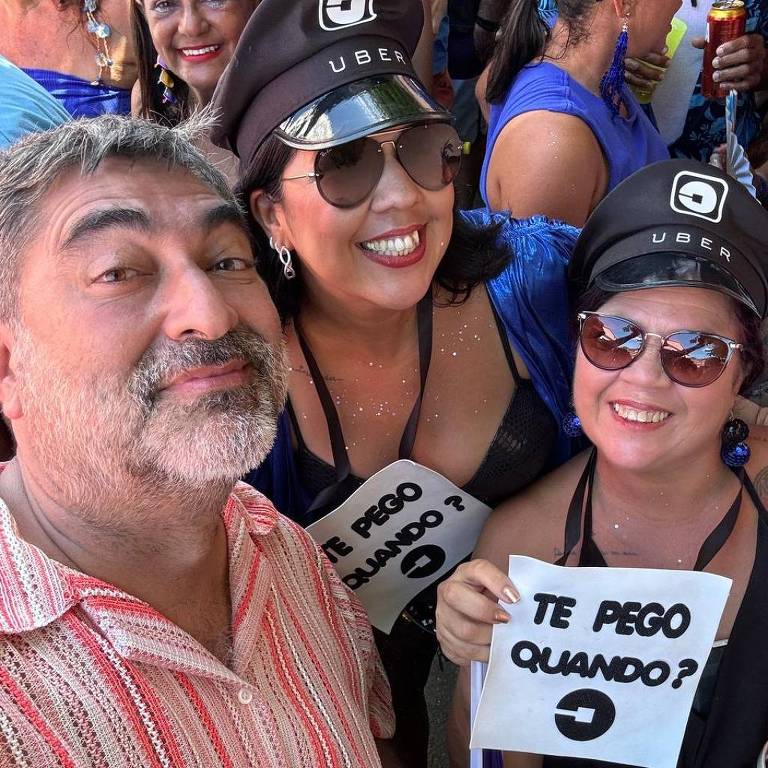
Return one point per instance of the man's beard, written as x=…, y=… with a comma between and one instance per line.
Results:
x=89, y=430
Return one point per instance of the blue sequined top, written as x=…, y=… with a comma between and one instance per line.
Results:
x=82, y=98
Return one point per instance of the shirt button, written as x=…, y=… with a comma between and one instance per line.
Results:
x=245, y=696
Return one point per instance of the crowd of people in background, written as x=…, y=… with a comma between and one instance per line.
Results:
x=255, y=252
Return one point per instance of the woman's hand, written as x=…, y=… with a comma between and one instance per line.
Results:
x=466, y=616
x=639, y=74
x=739, y=64
x=719, y=155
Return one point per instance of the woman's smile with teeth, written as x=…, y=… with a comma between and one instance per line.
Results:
x=200, y=51
x=635, y=414
x=394, y=246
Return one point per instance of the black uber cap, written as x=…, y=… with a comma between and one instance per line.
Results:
x=676, y=223
x=294, y=53
x=358, y=109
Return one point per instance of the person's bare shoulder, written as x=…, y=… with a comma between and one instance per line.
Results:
x=532, y=522
x=547, y=163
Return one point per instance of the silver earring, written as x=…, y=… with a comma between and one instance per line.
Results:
x=284, y=255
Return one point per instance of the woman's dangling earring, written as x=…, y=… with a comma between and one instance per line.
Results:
x=612, y=84
x=286, y=260
x=166, y=80
x=735, y=452
x=572, y=424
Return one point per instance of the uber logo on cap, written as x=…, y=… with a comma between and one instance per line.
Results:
x=698, y=195
x=337, y=14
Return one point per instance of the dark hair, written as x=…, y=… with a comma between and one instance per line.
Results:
x=152, y=105
x=758, y=148
x=752, y=356
x=524, y=36
x=472, y=256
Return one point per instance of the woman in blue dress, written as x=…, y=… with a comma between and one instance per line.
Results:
x=563, y=128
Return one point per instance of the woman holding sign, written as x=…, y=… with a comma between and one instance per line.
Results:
x=671, y=275
x=412, y=333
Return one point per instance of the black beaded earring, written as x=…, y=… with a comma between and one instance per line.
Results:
x=572, y=424
x=735, y=452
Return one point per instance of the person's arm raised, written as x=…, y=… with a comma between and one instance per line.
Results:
x=547, y=163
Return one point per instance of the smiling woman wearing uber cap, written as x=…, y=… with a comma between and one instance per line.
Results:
x=669, y=281
x=412, y=332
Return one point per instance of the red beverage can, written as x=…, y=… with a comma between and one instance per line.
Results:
x=727, y=20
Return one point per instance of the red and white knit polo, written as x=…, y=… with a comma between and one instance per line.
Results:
x=90, y=676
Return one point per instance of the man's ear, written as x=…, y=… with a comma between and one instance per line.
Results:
x=10, y=401
x=271, y=217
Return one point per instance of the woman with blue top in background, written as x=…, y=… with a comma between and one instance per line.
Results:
x=411, y=332
x=80, y=51
x=563, y=128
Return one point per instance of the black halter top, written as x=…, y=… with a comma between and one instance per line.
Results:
x=517, y=455
x=728, y=724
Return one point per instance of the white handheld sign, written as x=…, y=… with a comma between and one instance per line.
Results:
x=403, y=529
x=599, y=663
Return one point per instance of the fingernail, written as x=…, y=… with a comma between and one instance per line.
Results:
x=716, y=63
x=630, y=64
x=510, y=595
x=500, y=617
x=720, y=51
x=716, y=77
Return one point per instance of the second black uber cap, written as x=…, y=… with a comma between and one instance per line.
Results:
x=322, y=72
x=676, y=223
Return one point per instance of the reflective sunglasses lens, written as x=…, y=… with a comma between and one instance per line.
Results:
x=347, y=174
x=694, y=359
x=430, y=154
x=609, y=342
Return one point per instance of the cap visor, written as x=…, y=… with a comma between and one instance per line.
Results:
x=671, y=269
x=358, y=109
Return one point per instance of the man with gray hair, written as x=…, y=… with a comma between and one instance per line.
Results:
x=152, y=611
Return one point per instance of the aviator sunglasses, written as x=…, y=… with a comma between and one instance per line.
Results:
x=347, y=174
x=690, y=358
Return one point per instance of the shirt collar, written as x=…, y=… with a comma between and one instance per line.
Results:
x=35, y=590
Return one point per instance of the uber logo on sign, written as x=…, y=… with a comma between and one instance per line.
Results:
x=337, y=14
x=698, y=195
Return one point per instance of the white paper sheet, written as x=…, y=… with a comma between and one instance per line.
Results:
x=599, y=663
x=398, y=533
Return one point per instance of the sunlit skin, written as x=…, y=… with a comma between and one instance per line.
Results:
x=117, y=282
x=336, y=268
x=359, y=318
x=551, y=163
x=53, y=36
x=697, y=414
x=649, y=23
x=181, y=28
